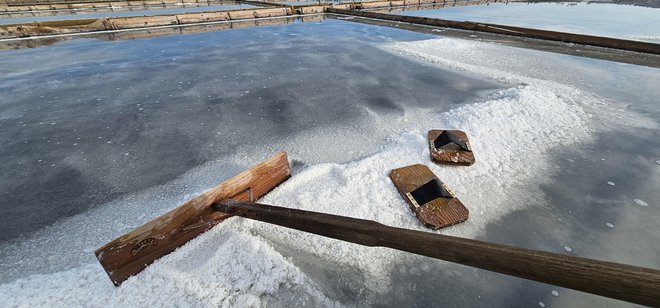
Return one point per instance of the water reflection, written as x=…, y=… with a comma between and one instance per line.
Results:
x=115, y=117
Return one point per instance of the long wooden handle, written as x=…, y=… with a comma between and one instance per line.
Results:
x=624, y=282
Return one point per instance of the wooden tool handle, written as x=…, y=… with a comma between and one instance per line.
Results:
x=624, y=282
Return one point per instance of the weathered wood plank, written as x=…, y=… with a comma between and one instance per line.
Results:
x=435, y=214
x=451, y=154
x=131, y=253
x=192, y=18
x=140, y=21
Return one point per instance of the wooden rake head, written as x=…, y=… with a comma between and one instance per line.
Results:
x=131, y=253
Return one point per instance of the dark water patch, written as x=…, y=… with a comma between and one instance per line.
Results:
x=129, y=115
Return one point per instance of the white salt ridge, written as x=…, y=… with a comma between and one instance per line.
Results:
x=222, y=267
x=610, y=183
x=649, y=37
x=555, y=293
x=568, y=249
x=517, y=65
x=513, y=133
x=640, y=202
x=610, y=225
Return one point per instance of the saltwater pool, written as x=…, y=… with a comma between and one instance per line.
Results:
x=99, y=136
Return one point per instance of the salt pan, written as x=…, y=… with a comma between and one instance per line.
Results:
x=241, y=262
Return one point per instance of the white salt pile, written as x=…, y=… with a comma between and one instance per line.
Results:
x=245, y=263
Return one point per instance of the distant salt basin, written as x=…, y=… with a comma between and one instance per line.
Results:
x=594, y=18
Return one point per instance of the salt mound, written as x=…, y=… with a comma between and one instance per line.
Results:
x=512, y=134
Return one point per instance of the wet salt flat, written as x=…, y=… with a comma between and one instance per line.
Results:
x=26, y=18
x=117, y=132
x=633, y=20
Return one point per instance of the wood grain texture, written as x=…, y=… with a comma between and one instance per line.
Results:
x=624, y=282
x=131, y=253
x=435, y=214
x=450, y=154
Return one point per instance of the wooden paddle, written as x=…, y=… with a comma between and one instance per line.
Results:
x=624, y=282
x=132, y=252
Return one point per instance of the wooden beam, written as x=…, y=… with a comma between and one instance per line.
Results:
x=131, y=253
x=607, y=42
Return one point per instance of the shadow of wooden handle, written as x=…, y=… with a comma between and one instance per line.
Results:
x=619, y=281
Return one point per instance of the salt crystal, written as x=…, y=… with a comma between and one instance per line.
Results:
x=568, y=249
x=610, y=183
x=640, y=202
x=555, y=293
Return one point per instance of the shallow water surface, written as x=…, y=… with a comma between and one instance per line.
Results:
x=116, y=132
x=109, y=118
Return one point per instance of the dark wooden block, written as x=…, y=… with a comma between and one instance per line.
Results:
x=450, y=154
x=435, y=214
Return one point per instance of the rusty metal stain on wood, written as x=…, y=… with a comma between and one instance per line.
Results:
x=131, y=253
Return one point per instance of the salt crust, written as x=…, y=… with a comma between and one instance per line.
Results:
x=236, y=264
